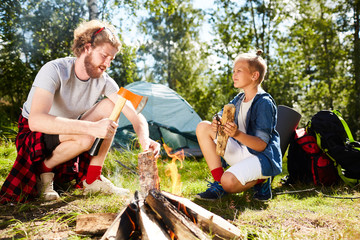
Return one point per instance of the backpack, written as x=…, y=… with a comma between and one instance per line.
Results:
x=307, y=163
x=334, y=137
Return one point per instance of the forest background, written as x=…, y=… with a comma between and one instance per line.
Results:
x=312, y=49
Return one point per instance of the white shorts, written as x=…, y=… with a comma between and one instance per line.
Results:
x=243, y=165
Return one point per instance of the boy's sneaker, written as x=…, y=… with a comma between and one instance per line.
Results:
x=214, y=192
x=263, y=191
x=104, y=186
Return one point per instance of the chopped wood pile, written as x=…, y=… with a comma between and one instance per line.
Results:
x=162, y=215
x=155, y=215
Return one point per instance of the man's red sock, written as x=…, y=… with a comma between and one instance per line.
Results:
x=93, y=174
x=217, y=173
x=44, y=168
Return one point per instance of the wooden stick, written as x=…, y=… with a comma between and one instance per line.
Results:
x=150, y=226
x=222, y=137
x=148, y=172
x=94, y=223
x=125, y=229
x=175, y=220
x=119, y=105
x=205, y=219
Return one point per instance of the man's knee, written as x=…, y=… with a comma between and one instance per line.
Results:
x=101, y=110
x=84, y=142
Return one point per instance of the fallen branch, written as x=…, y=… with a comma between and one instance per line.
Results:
x=131, y=170
x=330, y=196
x=297, y=191
x=318, y=192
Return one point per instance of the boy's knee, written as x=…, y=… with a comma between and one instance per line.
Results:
x=229, y=182
x=202, y=127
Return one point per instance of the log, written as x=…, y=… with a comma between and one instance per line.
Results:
x=148, y=172
x=175, y=220
x=222, y=137
x=94, y=223
x=150, y=225
x=124, y=225
x=206, y=220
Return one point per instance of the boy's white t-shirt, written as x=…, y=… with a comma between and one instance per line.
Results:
x=244, y=108
x=72, y=96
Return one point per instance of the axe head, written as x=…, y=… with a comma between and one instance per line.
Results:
x=137, y=101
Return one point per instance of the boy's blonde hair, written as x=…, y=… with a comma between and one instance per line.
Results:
x=95, y=32
x=255, y=61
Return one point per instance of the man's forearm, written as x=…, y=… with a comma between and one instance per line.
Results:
x=57, y=125
x=141, y=128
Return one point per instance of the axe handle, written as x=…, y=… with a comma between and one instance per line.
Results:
x=119, y=105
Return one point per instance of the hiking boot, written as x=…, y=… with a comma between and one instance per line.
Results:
x=263, y=191
x=46, y=186
x=214, y=192
x=104, y=186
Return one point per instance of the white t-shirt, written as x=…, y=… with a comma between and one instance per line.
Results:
x=244, y=108
x=72, y=96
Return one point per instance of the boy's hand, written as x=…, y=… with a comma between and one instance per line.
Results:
x=215, y=124
x=231, y=129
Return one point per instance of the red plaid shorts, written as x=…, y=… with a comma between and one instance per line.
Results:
x=20, y=184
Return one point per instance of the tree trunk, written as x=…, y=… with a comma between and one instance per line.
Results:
x=93, y=9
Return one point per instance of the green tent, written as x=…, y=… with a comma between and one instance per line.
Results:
x=171, y=120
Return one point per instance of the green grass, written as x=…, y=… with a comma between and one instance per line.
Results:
x=315, y=213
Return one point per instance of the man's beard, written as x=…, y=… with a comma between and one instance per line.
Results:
x=91, y=69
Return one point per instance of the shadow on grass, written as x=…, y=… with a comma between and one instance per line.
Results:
x=230, y=205
x=302, y=191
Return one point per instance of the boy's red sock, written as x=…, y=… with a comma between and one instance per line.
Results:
x=93, y=174
x=217, y=173
x=44, y=168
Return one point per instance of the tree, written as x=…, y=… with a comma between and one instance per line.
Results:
x=32, y=33
x=179, y=57
x=93, y=9
x=349, y=24
x=13, y=70
x=314, y=45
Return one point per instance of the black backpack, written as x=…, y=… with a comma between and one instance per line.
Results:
x=334, y=137
x=307, y=163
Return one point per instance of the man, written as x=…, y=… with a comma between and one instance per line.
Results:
x=62, y=117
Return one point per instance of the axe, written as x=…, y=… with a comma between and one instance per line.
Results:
x=137, y=101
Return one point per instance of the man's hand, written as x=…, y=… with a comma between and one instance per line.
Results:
x=105, y=128
x=153, y=146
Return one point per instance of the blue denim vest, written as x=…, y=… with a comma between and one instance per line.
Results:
x=261, y=122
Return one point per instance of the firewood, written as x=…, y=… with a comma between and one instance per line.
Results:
x=148, y=172
x=205, y=219
x=222, y=137
x=124, y=225
x=94, y=224
x=150, y=226
x=175, y=220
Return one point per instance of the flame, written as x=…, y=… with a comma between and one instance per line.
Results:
x=172, y=169
x=133, y=226
x=172, y=235
x=181, y=207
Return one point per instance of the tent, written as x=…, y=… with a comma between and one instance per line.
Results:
x=171, y=120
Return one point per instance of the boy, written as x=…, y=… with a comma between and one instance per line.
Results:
x=253, y=149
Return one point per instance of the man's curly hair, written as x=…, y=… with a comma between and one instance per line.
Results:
x=95, y=32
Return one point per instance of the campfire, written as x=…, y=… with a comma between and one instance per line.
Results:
x=155, y=214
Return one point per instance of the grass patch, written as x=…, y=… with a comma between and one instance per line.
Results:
x=315, y=213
